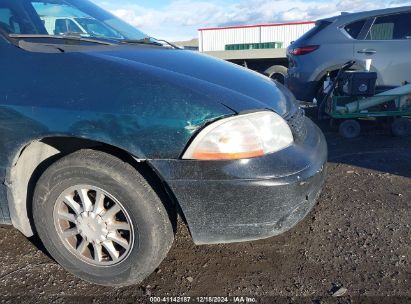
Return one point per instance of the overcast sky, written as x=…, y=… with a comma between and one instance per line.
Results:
x=179, y=19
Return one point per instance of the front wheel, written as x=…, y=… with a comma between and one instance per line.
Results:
x=100, y=219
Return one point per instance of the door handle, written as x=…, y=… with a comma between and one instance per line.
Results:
x=367, y=51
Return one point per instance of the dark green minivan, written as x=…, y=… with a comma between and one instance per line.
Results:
x=108, y=135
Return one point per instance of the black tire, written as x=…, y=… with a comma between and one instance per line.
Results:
x=401, y=127
x=277, y=72
x=152, y=229
x=350, y=129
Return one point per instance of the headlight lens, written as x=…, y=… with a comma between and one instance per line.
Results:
x=240, y=137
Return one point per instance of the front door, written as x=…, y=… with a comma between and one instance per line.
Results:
x=5, y=49
x=388, y=44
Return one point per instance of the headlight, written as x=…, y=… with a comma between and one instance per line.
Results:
x=242, y=136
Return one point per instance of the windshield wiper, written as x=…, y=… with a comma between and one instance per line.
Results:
x=62, y=37
x=150, y=40
x=140, y=41
x=170, y=44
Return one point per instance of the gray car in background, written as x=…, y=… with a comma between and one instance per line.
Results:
x=382, y=35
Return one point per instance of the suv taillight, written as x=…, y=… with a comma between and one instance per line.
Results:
x=304, y=50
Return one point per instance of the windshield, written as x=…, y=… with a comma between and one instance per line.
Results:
x=64, y=18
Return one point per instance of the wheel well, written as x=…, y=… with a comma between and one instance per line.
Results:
x=333, y=74
x=322, y=78
x=34, y=158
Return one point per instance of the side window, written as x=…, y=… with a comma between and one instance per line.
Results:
x=60, y=27
x=72, y=27
x=392, y=27
x=63, y=26
x=354, y=29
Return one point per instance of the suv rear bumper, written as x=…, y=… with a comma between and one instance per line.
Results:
x=300, y=86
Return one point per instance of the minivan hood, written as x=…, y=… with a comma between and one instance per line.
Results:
x=258, y=91
x=149, y=101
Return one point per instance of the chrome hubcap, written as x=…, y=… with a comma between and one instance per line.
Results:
x=93, y=225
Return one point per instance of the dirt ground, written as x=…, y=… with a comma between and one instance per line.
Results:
x=356, y=243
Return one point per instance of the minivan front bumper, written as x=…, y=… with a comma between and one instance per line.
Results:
x=243, y=200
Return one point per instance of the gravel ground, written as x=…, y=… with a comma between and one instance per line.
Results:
x=356, y=243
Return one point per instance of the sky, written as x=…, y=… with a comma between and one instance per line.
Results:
x=177, y=20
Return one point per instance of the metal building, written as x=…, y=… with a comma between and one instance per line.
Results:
x=259, y=47
x=216, y=39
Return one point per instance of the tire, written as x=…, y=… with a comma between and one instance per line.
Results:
x=277, y=72
x=141, y=232
x=401, y=127
x=350, y=129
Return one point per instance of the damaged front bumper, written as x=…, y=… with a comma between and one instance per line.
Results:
x=243, y=200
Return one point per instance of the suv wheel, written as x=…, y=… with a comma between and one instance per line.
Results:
x=278, y=73
x=100, y=219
